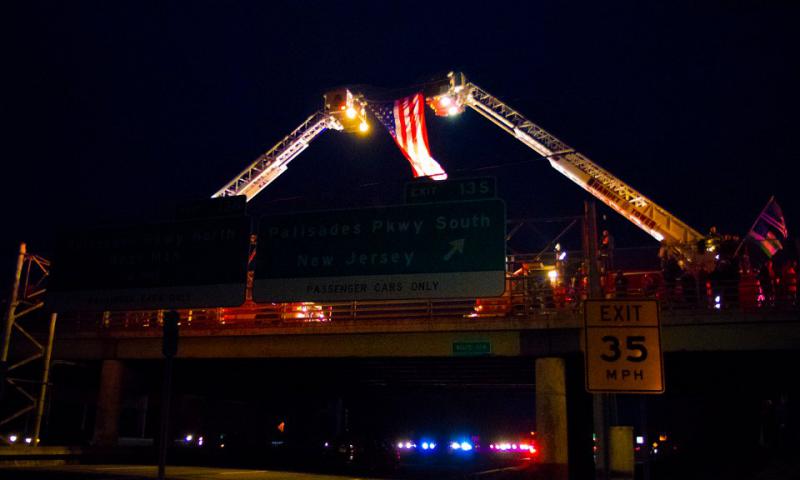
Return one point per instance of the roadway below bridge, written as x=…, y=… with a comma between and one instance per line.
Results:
x=108, y=471
x=137, y=472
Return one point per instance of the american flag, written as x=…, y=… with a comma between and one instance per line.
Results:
x=769, y=228
x=405, y=121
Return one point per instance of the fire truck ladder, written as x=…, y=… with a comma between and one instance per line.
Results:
x=612, y=191
x=266, y=168
x=646, y=214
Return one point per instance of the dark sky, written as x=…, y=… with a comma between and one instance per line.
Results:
x=120, y=109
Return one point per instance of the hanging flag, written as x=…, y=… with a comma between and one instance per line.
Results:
x=769, y=228
x=405, y=121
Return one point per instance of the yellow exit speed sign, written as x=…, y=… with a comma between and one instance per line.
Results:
x=623, y=346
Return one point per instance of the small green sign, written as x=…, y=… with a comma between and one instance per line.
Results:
x=472, y=348
x=425, y=190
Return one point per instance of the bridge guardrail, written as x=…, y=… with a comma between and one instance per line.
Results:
x=524, y=299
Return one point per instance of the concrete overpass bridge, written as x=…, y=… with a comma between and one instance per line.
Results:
x=408, y=329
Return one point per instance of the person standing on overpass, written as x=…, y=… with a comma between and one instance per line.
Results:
x=607, y=251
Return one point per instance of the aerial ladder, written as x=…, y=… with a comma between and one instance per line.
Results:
x=342, y=111
x=454, y=95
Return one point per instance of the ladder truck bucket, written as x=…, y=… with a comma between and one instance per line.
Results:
x=448, y=96
x=350, y=110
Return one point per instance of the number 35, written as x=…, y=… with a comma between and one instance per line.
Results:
x=634, y=345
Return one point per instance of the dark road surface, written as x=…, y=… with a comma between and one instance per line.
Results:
x=140, y=472
x=130, y=472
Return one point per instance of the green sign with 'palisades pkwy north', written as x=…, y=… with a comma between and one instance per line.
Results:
x=190, y=263
x=437, y=250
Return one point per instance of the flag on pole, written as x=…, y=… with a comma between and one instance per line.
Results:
x=405, y=121
x=769, y=229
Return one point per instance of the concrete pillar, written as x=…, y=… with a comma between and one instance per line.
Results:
x=551, y=418
x=106, y=424
x=621, y=453
x=142, y=405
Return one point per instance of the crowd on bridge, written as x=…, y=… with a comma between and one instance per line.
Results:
x=733, y=280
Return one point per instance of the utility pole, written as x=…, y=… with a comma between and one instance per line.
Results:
x=590, y=249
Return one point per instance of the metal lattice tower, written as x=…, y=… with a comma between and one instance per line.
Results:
x=26, y=297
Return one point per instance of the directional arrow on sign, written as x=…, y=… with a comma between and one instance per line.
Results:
x=457, y=246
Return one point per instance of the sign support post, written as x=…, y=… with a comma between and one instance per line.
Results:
x=48, y=355
x=599, y=400
x=169, y=349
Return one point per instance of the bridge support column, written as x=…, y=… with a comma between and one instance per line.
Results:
x=106, y=425
x=621, y=453
x=142, y=404
x=551, y=418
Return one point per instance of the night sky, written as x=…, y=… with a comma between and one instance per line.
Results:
x=118, y=110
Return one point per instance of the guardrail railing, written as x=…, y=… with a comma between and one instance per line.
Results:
x=526, y=298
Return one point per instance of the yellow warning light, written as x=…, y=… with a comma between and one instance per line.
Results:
x=351, y=113
x=363, y=127
x=662, y=438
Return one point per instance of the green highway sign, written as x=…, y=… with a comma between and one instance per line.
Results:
x=424, y=190
x=185, y=264
x=438, y=250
